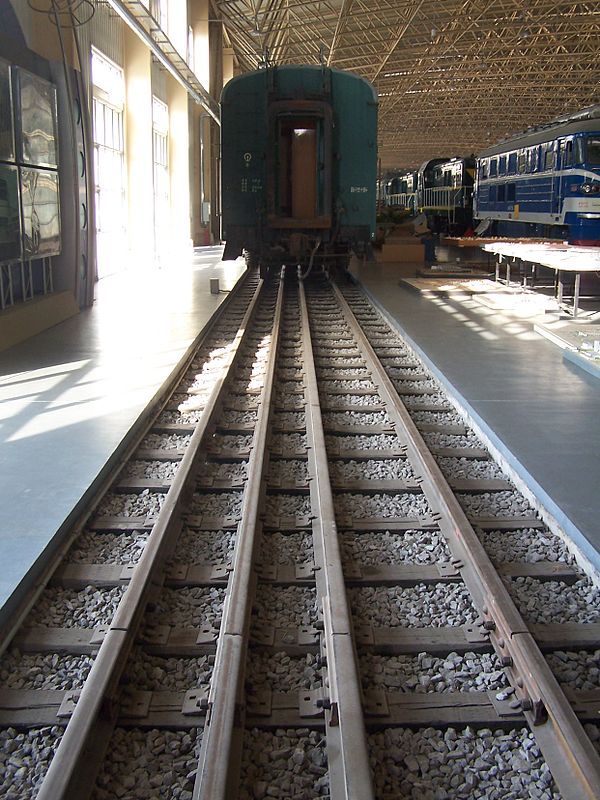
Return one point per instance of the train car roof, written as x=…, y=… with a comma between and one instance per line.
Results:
x=545, y=134
x=296, y=68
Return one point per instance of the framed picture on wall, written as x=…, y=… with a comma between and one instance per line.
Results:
x=37, y=128
x=40, y=213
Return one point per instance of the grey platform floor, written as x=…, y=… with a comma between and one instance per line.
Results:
x=69, y=396
x=539, y=410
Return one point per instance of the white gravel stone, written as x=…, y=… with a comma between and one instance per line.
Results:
x=433, y=439
x=327, y=384
x=151, y=673
x=43, y=671
x=286, y=764
x=433, y=764
x=224, y=470
x=404, y=373
x=419, y=606
x=281, y=672
x=204, y=547
x=141, y=504
x=382, y=505
x=108, y=547
x=387, y=547
x=72, y=608
x=288, y=419
x=336, y=400
x=428, y=385
x=236, y=442
x=429, y=674
x=286, y=548
x=217, y=504
x=417, y=400
x=436, y=418
x=289, y=441
x=25, y=757
x=165, y=441
x=577, y=670
x=189, y=607
x=285, y=607
x=377, y=441
x=147, y=765
x=527, y=544
x=180, y=417
x=496, y=504
x=286, y=505
x=153, y=470
x=288, y=470
x=391, y=469
x=469, y=468
x=231, y=417
x=556, y=602
x=347, y=418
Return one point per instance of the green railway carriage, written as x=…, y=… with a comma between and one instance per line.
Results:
x=299, y=164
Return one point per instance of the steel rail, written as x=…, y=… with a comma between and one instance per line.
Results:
x=72, y=527
x=70, y=774
x=348, y=757
x=217, y=777
x=572, y=758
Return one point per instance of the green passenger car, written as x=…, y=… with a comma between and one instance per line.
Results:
x=299, y=164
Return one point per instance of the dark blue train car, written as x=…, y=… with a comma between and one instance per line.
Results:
x=299, y=165
x=544, y=182
x=445, y=193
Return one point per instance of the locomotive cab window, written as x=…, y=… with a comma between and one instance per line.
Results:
x=593, y=151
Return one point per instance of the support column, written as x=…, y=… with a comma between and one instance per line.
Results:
x=179, y=169
x=199, y=15
x=138, y=151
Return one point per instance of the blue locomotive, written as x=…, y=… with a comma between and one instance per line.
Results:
x=544, y=182
x=299, y=166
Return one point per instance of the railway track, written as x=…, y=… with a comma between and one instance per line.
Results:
x=300, y=586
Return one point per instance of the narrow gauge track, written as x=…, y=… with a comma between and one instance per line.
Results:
x=329, y=621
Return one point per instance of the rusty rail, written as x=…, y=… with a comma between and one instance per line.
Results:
x=573, y=760
x=69, y=775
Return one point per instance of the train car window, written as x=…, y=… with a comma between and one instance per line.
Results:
x=533, y=159
x=550, y=159
x=492, y=194
x=502, y=165
x=522, y=161
x=483, y=168
x=493, y=167
x=510, y=193
x=501, y=192
x=593, y=151
x=512, y=162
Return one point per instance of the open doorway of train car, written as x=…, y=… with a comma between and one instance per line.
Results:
x=300, y=178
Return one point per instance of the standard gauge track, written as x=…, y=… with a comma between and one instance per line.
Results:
x=334, y=594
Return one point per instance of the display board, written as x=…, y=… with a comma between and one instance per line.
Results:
x=41, y=213
x=37, y=117
x=10, y=217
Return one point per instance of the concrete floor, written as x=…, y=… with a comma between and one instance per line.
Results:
x=69, y=396
x=539, y=410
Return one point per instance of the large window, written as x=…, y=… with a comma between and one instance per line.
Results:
x=160, y=153
x=109, y=164
x=593, y=151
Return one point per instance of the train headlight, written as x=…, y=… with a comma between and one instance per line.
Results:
x=590, y=188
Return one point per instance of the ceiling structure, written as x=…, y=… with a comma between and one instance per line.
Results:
x=453, y=76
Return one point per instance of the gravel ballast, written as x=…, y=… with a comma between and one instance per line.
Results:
x=286, y=764
x=419, y=606
x=433, y=764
